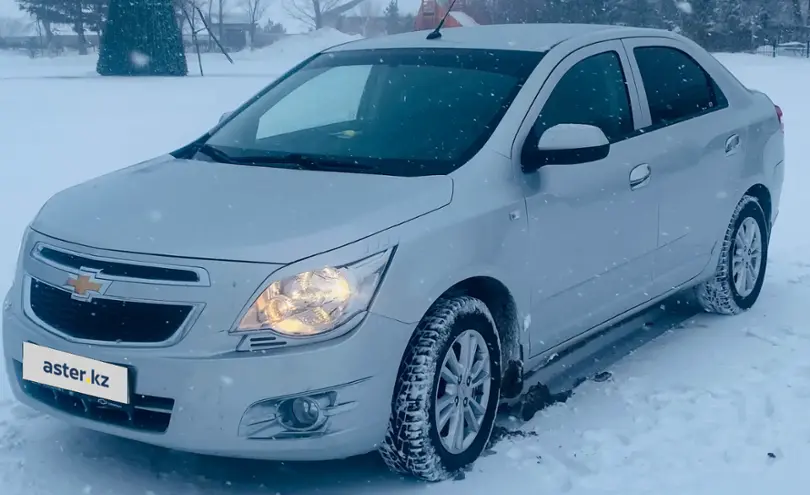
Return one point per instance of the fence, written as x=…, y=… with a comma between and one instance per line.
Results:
x=791, y=49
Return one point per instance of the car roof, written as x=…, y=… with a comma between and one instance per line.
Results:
x=527, y=37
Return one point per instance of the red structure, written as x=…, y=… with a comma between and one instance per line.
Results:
x=432, y=11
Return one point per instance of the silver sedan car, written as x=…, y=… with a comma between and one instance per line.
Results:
x=373, y=251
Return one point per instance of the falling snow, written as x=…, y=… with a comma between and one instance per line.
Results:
x=715, y=406
x=139, y=59
x=684, y=7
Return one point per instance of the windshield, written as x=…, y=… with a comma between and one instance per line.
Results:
x=397, y=112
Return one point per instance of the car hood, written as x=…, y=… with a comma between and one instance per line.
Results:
x=200, y=209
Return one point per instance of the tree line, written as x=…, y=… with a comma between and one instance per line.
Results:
x=732, y=25
x=89, y=16
x=82, y=15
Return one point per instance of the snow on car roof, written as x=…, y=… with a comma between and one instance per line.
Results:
x=463, y=19
x=531, y=37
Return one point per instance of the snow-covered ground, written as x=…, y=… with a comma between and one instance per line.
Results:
x=717, y=406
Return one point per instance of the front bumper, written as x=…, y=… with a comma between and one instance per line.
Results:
x=199, y=404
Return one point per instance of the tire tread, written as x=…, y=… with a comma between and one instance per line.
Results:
x=715, y=295
x=407, y=448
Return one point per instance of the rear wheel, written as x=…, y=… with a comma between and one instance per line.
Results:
x=447, y=393
x=740, y=272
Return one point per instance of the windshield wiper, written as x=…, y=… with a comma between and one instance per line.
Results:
x=299, y=160
x=215, y=154
x=303, y=162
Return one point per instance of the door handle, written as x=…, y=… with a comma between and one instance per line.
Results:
x=732, y=144
x=640, y=176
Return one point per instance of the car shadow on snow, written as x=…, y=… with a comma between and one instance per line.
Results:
x=146, y=468
x=177, y=472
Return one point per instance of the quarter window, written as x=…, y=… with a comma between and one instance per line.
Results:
x=306, y=108
x=677, y=87
x=593, y=92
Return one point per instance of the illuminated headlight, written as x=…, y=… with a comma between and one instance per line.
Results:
x=316, y=301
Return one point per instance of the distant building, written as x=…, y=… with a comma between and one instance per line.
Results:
x=432, y=11
x=236, y=30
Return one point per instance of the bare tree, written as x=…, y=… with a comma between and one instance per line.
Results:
x=254, y=9
x=221, y=4
x=209, y=4
x=368, y=11
x=316, y=13
x=189, y=8
x=193, y=15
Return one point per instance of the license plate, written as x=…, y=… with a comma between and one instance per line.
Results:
x=75, y=373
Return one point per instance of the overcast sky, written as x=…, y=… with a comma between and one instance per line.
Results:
x=8, y=8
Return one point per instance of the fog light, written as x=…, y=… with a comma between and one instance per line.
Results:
x=305, y=412
x=293, y=416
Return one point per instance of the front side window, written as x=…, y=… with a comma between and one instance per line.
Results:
x=677, y=87
x=394, y=111
x=592, y=92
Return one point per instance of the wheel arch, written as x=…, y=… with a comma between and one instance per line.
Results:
x=504, y=310
x=720, y=293
x=498, y=299
x=763, y=196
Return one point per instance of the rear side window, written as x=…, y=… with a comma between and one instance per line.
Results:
x=677, y=87
x=593, y=92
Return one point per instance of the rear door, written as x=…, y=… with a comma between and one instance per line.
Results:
x=693, y=147
x=592, y=226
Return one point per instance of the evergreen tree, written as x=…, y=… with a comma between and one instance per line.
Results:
x=393, y=21
x=142, y=37
x=81, y=15
x=517, y=11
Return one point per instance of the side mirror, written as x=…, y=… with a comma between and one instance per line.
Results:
x=224, y=116
x=568, y=144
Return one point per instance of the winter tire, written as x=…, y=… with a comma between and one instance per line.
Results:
x=740, y=272
x=447, y=392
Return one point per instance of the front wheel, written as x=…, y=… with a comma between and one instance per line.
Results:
x=447, y=393
x=740, y=272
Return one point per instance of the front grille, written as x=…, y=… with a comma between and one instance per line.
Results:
x=106, y=320
x=144, y=413
x=119, y=269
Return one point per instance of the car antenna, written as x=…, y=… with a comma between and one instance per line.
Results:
x=437, y=33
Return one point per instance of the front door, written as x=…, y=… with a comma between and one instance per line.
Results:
x=593, y=226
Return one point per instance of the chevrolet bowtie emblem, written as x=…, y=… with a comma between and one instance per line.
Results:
x=83, y=285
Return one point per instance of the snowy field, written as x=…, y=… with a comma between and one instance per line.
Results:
x=716, y=406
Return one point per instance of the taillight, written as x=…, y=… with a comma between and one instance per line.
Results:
x=779, y=116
